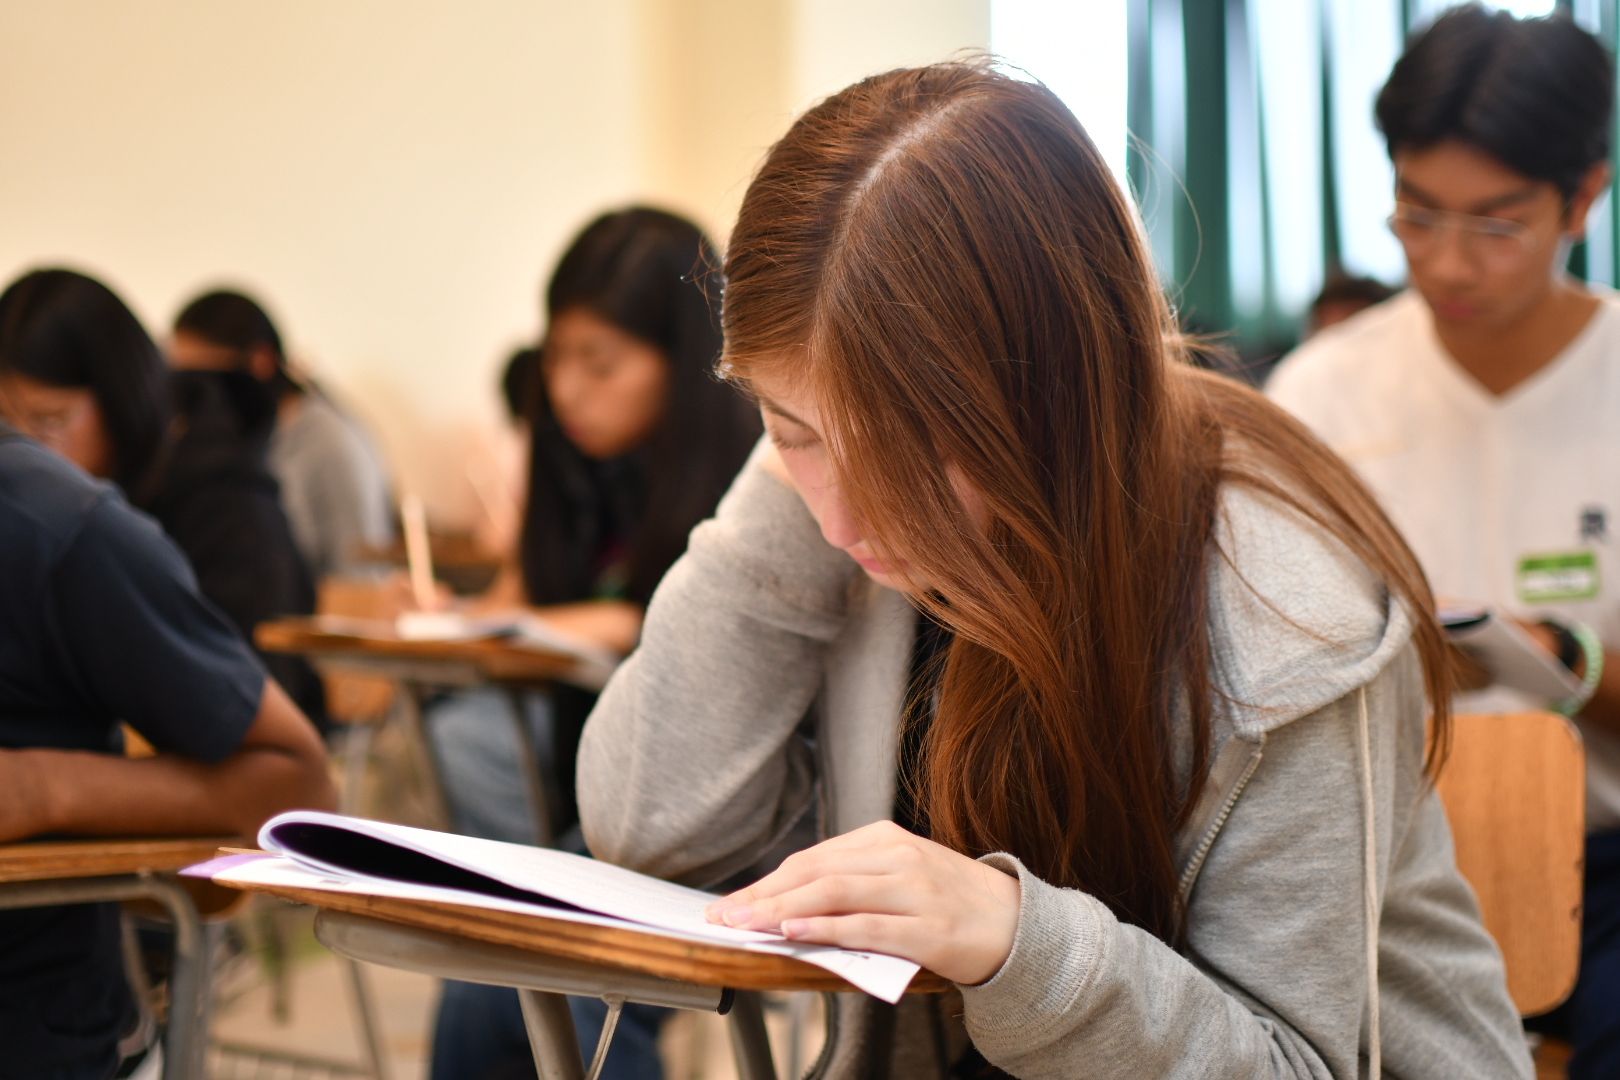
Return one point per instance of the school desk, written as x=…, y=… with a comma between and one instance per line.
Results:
x=36, y=874
x=545, y=959
x=372, y=646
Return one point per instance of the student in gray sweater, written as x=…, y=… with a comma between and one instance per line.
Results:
x=1139, y=666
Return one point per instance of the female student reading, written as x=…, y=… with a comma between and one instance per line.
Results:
x=1140, y=663
x=632, y=442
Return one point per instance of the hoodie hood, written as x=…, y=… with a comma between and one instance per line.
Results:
x=1297, y=620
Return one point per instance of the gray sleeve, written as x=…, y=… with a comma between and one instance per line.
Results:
x=690, y=766
x=335, y=491
x=1273, y=982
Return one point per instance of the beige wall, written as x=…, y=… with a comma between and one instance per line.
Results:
x=395, y=177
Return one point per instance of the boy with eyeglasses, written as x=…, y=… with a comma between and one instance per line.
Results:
x=1482, y=405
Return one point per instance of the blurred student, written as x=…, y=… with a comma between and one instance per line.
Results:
x=1482, y=406
x=101, y=622
x=1111, y=680
x=79, y=373
x=632, y=442
x=1342, y=297
x=334, y=486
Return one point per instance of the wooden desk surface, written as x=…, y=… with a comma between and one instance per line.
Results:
x=373, y=642
x=58, y=859
x=672, y=958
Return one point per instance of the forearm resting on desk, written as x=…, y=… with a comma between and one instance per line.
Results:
x=280, y=765
x=613, y=624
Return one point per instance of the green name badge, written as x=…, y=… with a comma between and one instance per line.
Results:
x=1564, y=575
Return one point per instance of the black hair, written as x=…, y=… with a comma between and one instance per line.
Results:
x=1535, y=94
x=522, y=367
x=66, y=329
x=651, y=274
x=1342, y=288
x=234, y=320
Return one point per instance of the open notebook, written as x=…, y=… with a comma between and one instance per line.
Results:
x=1511, y=656
x=332, y=853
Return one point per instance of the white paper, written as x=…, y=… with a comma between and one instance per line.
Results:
x=610, y=895
x=450, y=626
x=1511, y=656
x=519, y=628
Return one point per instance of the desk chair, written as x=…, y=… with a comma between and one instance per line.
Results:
x=38, y=874
x=1514, y=788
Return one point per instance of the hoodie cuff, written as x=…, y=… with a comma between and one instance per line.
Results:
x=1059, y=946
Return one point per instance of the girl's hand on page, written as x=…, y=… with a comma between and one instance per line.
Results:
x=886, y=890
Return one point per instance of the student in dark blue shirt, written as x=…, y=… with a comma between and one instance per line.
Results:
x=190, y=448
x=101, y=622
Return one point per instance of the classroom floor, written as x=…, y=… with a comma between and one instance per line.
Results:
x=318, y=1038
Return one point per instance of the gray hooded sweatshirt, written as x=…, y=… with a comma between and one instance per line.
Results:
x=1316, y=827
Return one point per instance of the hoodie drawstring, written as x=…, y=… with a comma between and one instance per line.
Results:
x=1369, y=895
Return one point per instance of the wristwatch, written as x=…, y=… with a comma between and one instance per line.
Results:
x=1575, y=643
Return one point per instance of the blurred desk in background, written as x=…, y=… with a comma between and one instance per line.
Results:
x=459, y=561
x=374, y=647
x=344, y=644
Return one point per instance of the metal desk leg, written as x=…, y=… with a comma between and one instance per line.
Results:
x=541, y=982
x=529, y=762
x=410, y=704
x=551, y=1035
x=610, y=1023
x=798, y=1009
x=356, y=751
x=189, y=983
x=370, y=1033
x=749, y=1040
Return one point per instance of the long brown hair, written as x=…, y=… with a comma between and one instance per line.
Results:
x=941, y=257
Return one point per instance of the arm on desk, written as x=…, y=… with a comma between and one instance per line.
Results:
x=279, y=765
x=613, y=624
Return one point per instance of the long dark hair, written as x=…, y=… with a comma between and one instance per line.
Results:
x=942, y=259
x=649, y=273
x=66, y=329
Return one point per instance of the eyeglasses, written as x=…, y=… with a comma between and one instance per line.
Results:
x=50, y=424
x=1493, y=243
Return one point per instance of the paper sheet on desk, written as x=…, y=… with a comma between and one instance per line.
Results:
x=594, y=892
x=1512, y=656
x=520, y=628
